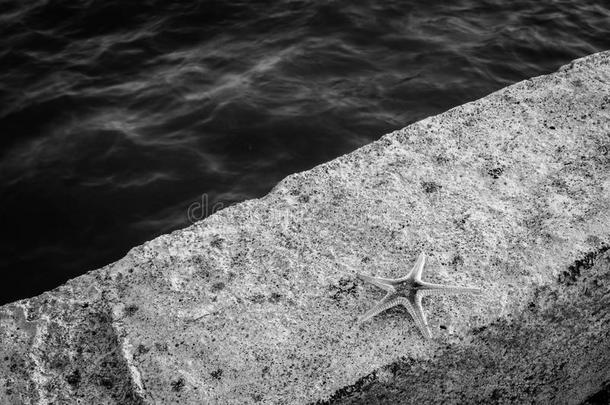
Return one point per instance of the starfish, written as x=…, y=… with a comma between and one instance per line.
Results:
x=409, y=291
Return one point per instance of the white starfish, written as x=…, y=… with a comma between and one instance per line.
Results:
x=409, y=291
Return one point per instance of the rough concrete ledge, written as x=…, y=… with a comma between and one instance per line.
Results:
x=258, y=303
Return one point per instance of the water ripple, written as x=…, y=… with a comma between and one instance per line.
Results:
x=116, y=116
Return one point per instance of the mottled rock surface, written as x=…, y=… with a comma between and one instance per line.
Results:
x=258, y=303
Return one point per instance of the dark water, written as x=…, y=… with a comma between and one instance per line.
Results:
x=116, y=116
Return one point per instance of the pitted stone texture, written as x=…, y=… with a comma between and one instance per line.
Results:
x=557, y=350
x=258, y=303
x=63, y=347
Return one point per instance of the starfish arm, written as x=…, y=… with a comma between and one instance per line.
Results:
x=417, y=313
x=438, y=289
x=383, y=283
x=386, y=303
x=416, y=271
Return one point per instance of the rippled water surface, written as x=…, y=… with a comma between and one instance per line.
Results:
x=115, y=116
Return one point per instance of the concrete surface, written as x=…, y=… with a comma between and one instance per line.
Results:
x=258, y=303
